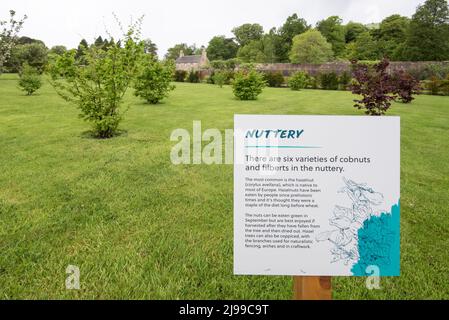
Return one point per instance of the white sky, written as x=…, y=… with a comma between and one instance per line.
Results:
x=169, y=22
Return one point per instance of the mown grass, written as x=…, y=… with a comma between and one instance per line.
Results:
x=141, y=228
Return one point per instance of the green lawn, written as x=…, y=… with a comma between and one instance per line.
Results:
x=139, y=227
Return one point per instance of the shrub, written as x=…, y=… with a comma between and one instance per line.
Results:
x=375, y=87
x=30, y=80
x=248, y=85
x=405, y=86
x=298, y=81
x=329, y=81
x=194, y=76
x=274, y=79
x=345, y=80
x=312, y=83
x=98, y=87
x=153, y=80
x=219, y=78
x=433, y=86
x=180, y=75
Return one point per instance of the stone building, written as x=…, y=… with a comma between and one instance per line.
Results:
x=195, y=62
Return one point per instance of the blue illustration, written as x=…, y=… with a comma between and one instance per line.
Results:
x=379, y=244
x=360, y=238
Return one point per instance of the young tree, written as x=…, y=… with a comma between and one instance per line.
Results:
x=222, y=48
x=97, y=87
x=153, y=82
x=248, y=84
x=247, y=33
x=374, y=84
x=428, y=36
x=311, y=47
x=30, y=80
x=334, y=32
x=9, y=29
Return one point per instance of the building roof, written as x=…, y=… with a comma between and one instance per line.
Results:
x=189, y=59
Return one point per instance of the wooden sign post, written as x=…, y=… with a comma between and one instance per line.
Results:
x=312, y=288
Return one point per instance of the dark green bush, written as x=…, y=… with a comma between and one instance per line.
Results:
x=344, y=80
x=194, y=76
x=274, y=79
x=180, y=75
x=329, y=81
x=248, y=85
x=298, y=81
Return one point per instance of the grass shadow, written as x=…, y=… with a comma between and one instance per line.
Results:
x=90, y=134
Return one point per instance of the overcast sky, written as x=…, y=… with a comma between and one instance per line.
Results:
x=168, y=22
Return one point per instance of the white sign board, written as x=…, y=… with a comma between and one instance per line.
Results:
x=316, y=195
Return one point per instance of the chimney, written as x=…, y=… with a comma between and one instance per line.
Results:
x=181, y=53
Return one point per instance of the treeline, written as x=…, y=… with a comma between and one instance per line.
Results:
x=424, y=37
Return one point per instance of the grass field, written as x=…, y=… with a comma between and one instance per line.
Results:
x=141, y=228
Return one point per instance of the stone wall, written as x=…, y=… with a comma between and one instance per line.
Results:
x=339, y=67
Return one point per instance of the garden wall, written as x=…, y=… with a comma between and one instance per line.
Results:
x=339, y=67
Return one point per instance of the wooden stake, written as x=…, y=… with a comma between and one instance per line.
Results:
x=312, y=288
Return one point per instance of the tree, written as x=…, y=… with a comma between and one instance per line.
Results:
x=153, y=82
x=30, y=80
x=248, y=84
x=222, y=48
x=150, y=47
x=80, y=52
x=247, y=33
x=311, y=47
x=353, y=30
x=428, y=35
x=9, y=29
x=98, y=87
x=292, y=27
x=174, y=52
x=252, y=52
x=392, y=34
x=364, y=48
x=34, y=54
x=374, y=84
x=58, y=50
x=334, y=32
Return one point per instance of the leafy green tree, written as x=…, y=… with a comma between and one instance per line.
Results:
x=174, y=52
x=98, y=87
x=248, y=84
x=80, y=52
x=428, y=36
x=153, y=81
x=30, y=80
x=9, y=29
x=392, y=34
x=364, y=48
x=292, y=27
x=353, y=30
x=334, y=32
x=34, y=54
x=252, y=52
x=150, y=47
x=58, y=50
x=248, y=32
x=311, y=47
x=222, y=48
